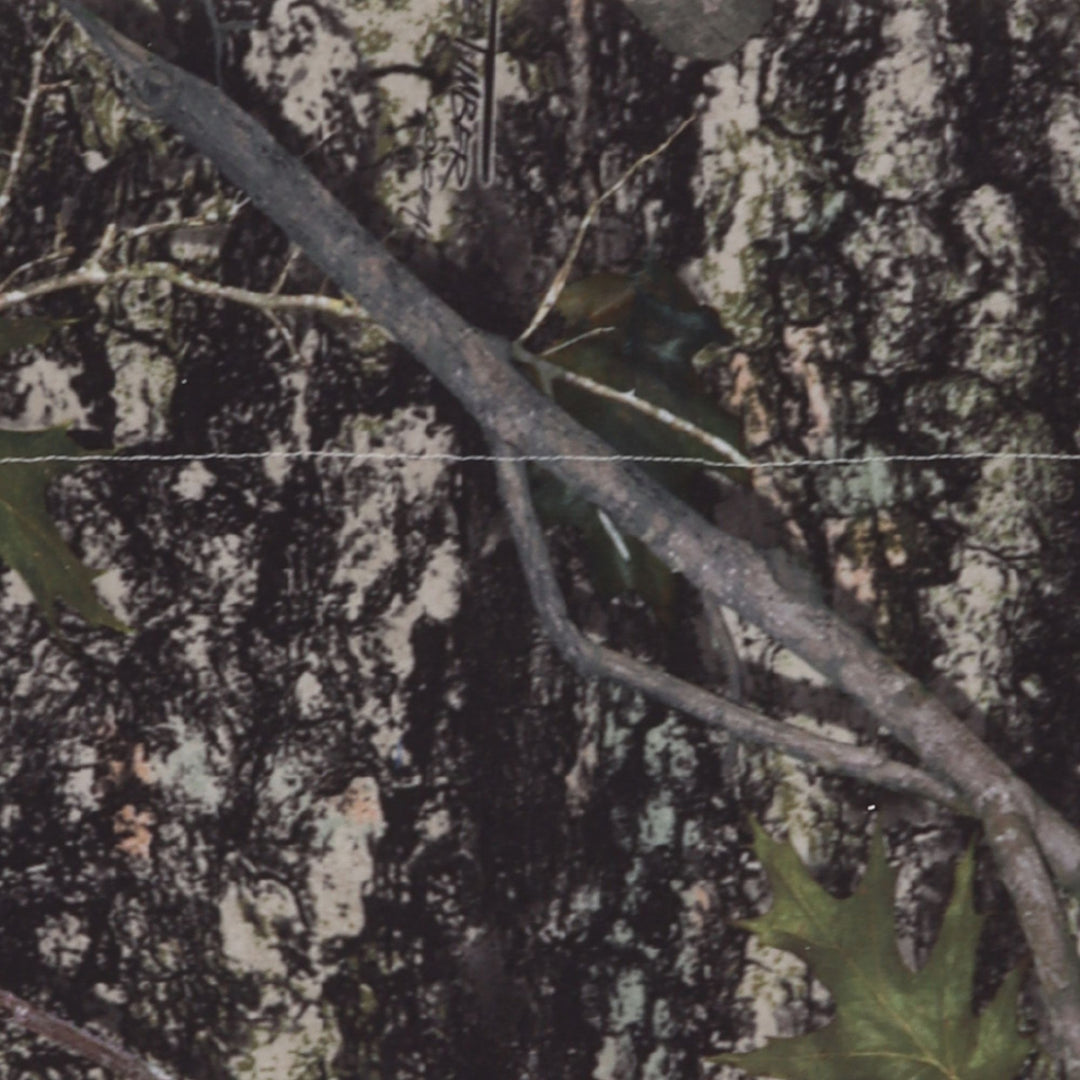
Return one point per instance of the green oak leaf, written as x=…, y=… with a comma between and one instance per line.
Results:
x=891, y=1023
x=30, y=543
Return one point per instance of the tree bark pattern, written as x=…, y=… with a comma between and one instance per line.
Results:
x=337, y=808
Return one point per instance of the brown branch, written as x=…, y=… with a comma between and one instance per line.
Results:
x=1045, y=924
x=747, y=725
x=78, y=1041
x=562, y=275
x=97, y=276
x=628, y=399
x=475, y=367
x=33, y=94
x=577, y=48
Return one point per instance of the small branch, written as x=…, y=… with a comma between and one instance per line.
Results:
x=595, y=661
x=286, y=267
x=78, y=1041
x=629, y=399
x=53, y=256
x=30, y=104
x=722, y=646
x=97, y=276
x=577, y=48
x=286, y=336
x=559, y=282
x=118, y=238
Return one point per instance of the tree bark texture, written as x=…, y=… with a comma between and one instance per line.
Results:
x=337, y=808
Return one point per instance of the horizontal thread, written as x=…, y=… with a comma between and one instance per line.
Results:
x=644, y=459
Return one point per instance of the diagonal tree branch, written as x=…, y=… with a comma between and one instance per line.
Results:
x=475, y=367
x=78, y=1041
x=593, y=660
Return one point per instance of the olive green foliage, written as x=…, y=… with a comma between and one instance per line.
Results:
x=644, y=331
x=654, y=328
x=19, y=333
x=891, y=1023
x=30, y=543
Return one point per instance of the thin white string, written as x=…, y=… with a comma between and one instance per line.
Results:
x=396, y=455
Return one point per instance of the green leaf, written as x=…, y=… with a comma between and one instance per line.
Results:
x=603, y=299
x=631, y=431
x=891, y=1023
x=32, y=330
x=655, y=318
x=30, y=542
x=655, y=328
x=613, y=566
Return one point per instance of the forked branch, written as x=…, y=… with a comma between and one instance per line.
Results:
x=475, y=367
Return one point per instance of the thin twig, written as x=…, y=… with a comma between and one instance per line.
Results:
x=156, y=228
x=559, y=282
x=286, y=267
x=84, y=1044
x=577, y=47
x=286, y=336
x=29, y=105
x=632, y=401
x=33, y=264
x=97, y=276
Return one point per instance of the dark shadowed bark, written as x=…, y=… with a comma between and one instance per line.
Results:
x=879, y=202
